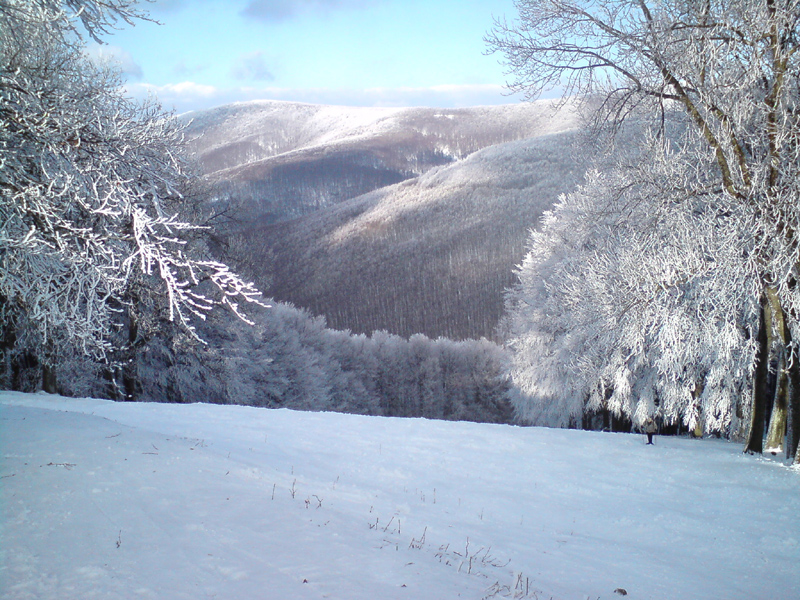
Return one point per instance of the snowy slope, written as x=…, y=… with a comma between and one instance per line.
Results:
x=105, y=500
x=234, y=135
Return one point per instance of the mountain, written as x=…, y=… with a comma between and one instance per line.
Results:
x=285, y=159
x=405, y=220
x=432, y=254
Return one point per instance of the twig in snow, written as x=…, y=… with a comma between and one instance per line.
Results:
x=419, y=543
x=389, y=523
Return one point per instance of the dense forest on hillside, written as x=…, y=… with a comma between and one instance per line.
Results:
x=433, y=254
x=311, y=215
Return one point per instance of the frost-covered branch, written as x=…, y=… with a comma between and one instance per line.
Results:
x=91, y=190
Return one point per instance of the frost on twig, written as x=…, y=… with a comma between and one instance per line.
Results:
x=92, y=186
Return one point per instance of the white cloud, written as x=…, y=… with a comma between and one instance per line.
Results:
x=181, y=69
x=280, y=10
x=168, y=6
x=181, y=97
x=252, y=67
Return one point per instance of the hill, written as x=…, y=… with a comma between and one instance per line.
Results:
x=432, y=254
x=118, y=500
x=405, y=220
x=285, y=159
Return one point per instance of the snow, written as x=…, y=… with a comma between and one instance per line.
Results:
x=117, y=500
x=277, y=128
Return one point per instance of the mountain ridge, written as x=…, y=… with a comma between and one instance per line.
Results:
x=404, y=220
x=285, y=159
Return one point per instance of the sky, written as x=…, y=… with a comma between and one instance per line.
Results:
x=204, y=53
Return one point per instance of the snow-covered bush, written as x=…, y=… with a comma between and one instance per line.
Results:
x=290, y=359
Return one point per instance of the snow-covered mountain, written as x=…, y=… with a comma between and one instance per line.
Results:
x=432, y=254
x=408, y=220
x=287, y=159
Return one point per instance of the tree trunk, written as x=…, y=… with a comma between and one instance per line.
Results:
x=793, y=405
x=778, y=418
x=797, y=457
x=49, y=383
x=696, y=393
x=779, y=329
x=130, y=382
x=7, y=341
x=130, y=379
x=777, y=422
x=755, y=437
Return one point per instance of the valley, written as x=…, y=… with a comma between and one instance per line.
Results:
x=404, y=220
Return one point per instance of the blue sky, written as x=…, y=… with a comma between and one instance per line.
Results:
x=350, y=52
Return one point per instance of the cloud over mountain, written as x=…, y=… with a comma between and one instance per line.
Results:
x=252, y=67
x=279, y=10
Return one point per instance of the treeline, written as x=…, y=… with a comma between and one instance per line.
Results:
x=291, y=359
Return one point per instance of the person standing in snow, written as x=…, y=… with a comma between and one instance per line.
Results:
x=649, y=428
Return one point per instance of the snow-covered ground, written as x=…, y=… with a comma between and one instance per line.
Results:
x=109, y=500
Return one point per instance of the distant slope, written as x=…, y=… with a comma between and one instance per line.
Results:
x=432, y=254
x=283, y=159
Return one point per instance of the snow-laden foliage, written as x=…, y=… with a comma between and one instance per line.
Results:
x=731, y=72
x=90, y=187
x=633, y=303
x=290, y=359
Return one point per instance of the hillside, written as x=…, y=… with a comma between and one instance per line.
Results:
x=432, y=254
x=119, y=500
x=406, y=220
x=286, y=159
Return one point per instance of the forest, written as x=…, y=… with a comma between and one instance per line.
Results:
x=111, y=284
x=665, y=286
x=659, y=280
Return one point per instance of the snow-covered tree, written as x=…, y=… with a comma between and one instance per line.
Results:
x=730, y=69
x=289, y=359
x=627, y=307
x=91, y=185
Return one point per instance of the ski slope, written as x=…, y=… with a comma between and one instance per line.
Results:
x=113, y=500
